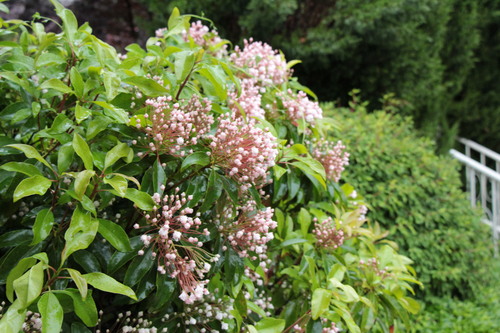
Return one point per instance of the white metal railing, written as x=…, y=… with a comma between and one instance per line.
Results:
x=483, y=182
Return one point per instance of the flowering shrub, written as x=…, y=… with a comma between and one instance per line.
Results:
x=170, y=189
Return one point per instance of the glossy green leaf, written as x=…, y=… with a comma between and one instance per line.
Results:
x=197, y=158
x=21, y=167
x=43, y=225
x=141, y=199
x=83, y=151
x=30, y=152
x=12, y=321
x=15, y=237
x=279, y=171
x=121, y=150
x=270, y=325
x=80, y=281
x=16, y=273
x=184, y=62
x=96, y=126
x=304, y=219
x=115, y=235
x=111, y=84
x=292, y=241
x=30, y=186
x=320, y=302
x=148, y=86
x=85, y=309
x=118, y=183
x=29, y=286
x=214, y=190
x=56, y=84
x=81, y=232
x=65, y=157
x=106, y=283
x=76, y=81
x=159, y=177
x=82, y=181
x=138, y=268
x=119, y=115
x=52, y=313
x=81, y=113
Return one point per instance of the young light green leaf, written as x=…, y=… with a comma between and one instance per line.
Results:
x=198, y=158
x=81, y=113
x=56, y=84
x=43, y=225
x=76, y=81
x=30, y=152
x=115, y=235
x=141, y=199
x=12, y=321
x=304, y=219
x=33, y=185
x=279, y=171
x=29, y=286
x=113, y=112
x=111, y=84
x=52, y=313
x=82, y=181
x=15, y=273
x=184, y=62
x=81, y=232
x=174, y=18
x=21, y=167
x=148, y=86
x=270, y=325
x=121, y=150
x=107, y=283
x=80, y=282
x=118, y=183
x=320, y=302
x=65, y=157
x=82, y=149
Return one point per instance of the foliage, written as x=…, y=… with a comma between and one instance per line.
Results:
x=422, y=51
x=174, y=187
x=417, y=196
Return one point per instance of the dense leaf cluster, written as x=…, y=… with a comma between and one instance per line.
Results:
x=171, y=189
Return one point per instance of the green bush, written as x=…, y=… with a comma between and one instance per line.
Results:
x=418, y=197
x=184, y=186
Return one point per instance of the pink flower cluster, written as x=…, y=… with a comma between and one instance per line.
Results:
x=250, y=232
x=299, y=107
x=333, y=157
x=173, y=223
x=207, y=39
x=249, y=100
x=263, y=63
x=327, y=234
x=246, y=152
x=175, y=126
x=372, y=265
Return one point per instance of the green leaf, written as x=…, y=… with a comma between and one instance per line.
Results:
x=106, y=283
x=118, y=183
x=70, y=24
x=15, y=273
x=270, y=325
x=85, y=309
x=15, y=237
x=114, y=112
x=138, y=268
x=76, y=81
x=96, y=126
x=65, y=157
x=81, y=232
x=184, y=62
x=82, y=181
x=115, y=235
x=21, y=167
x=292, y=242
x=30, y=186
x=141, y=199
x=111, y=84
x=56, y=84
x=82, y=149
x=159, y=177
x=43, y=225
x=80, y=281
x=214, y=190
x=173, y=20
x=81, y=113
x=148, y=86
x=320, y=302
x=29, y=286
x=30, y=152
x=52, y=313
x=121, y=150
x=12, y=321
x=198, y=158
x=279, y=171
x=304, y=219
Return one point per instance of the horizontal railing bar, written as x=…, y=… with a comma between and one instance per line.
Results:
x=481, y=149
x=490, y=173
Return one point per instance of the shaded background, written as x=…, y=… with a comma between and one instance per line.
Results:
x=440, y=57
